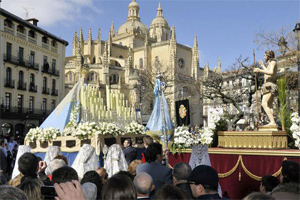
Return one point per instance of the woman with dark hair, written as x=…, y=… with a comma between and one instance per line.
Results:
x=168, y=191
x=119, y=187
x=93, y=177
x=32, y=188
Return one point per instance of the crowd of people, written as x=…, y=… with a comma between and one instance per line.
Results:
x=123, y=176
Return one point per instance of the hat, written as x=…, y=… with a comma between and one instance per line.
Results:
x=290, y=170
x=89, y=191
x=204, y=175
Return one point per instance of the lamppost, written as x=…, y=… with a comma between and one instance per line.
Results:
x=6, y=128
x=297, y=31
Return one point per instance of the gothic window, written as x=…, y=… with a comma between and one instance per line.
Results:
x=70, y=76
x=141, y=62
x=114, y=79
x=94, y=60
x=92, y=76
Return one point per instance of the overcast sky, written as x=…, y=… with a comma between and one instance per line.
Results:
x=224, y=28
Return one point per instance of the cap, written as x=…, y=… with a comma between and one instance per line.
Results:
x=204, y=175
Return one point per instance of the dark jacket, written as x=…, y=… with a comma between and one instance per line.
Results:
x=159, y=173
x=186, y=187
x=3, y=161
x=209, y=196
x=130, y=154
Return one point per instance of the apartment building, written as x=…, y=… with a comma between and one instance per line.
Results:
x=31, y=73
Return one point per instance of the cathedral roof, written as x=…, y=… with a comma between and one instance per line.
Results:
x=159, y=19
x=135, y=25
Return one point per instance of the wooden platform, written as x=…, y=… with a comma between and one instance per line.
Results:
x=253, y=139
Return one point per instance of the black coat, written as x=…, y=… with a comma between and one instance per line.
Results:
x=130, y=154
x=186, y=187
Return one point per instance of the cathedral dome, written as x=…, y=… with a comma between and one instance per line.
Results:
x=133, y=26
x=159, y=19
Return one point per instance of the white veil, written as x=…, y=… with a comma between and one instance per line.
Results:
x=86, y=160
x=52, y=152
x=21, y=150
x=115, y=160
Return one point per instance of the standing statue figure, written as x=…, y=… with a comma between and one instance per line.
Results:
x=269, y=88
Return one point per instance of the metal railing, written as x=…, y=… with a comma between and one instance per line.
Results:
x=24, y=110
x=32, y=87
x=8, y=30
x=9, y=83
x=54, y=92
x=45, y=90
x=48, y=70
x=22, y=85
x=20, y=61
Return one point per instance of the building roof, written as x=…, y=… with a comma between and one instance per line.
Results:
x=27, y=24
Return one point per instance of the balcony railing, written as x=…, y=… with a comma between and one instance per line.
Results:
x=32, y=87
x=8, y=30
x=32, y=40
x=46, y=90
x=46, y=46
x=21, y=35
x=23, y=110
x=48, y=70
x=22, y=85
x=54, y=49
x=54, y=92
x=20, y=62
x=9, y=83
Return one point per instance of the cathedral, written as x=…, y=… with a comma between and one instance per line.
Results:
x=131, y=58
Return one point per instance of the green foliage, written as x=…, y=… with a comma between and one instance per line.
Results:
x=283, y=111
x=221, y=125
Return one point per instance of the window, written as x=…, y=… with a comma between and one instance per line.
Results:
x=21, y=79
x=52, y=104
x=7, y=101
x=31, y=34
x=45, y=60
x=31, y=58
x=44, y=84
x=114, y=79
x=31, y=104
x=54, y=43
x=53, y=64
x=21, y=29
x=141, y=62
x=8, y=50
x=8, y=23
x=44, y=105
x=70, y=76
x=45, y=40
x=20, y=103
x=32, y=78
x=8, y=75
x=94, y=60
x=21, y=54
x=53, y=85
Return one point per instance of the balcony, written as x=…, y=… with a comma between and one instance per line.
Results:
x=8, y=30
x=23, y=113
x=9, y=83
x=45, y=46
x=22, y=85
x=54, y=49
x=54, y=92
x=46, y=69
x=19, y=61
x=46, y=90
x=32, y=87
x=21, y=35
x=32, y=40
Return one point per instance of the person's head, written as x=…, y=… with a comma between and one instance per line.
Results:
x=55, y=164
x=125, y=173
x=143, y=183
x=12, y=193
x=32, y=188
x=62, y=157
x=132, y=166
x=2, y=143
x=64, y=174
x=289, y=172
x=268, y=183
x=181, y=172
x=127, y=143
x=269, y=55
x=28, y=164
x=93, y=177
x=119, y=187
x=203, y=180
x=103, y=174
x=258, y=196
x=147, y=140
x=153, y=152
x=89, y=191
x=170, y=192
x=11, y=139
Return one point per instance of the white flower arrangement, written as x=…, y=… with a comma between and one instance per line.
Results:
x=70, y=128
x=183, y=139
x=42, y=135
x=105, y=128
x=86, y=130
x=295, y=128
x=134, y=128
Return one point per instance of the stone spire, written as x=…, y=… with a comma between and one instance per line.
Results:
x=195, y=59
x=99, y=42
x=75, y=41
x=218, y=70
x=128, y=65
x=173, y=36
x=109, y=43
x=173, y=50
x=159, y=11
x=81, y=40
x=89, y=41
x=206, y=70
x=90, y=34
x=112, y=29
x=105, y=63
x=133, y=11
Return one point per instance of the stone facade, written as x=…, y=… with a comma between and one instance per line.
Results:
x=130, y=59
x=31, y=72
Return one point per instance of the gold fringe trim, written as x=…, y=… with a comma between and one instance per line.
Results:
x=226, y=174
x=255, y=177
